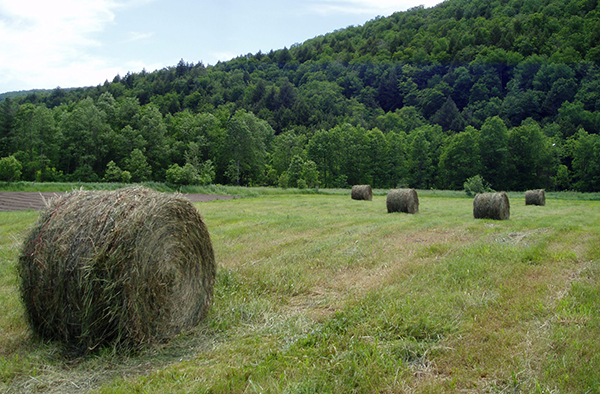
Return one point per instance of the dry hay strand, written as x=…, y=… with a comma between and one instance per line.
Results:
x=491, y=206
x=535, y=197
x=362, y=192
x=402, y=200
x=120, y=268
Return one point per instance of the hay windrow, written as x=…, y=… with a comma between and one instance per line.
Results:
x=535, y=197
x=362, y=192
x=402, y=200
x=125, y=268
x=494, y=206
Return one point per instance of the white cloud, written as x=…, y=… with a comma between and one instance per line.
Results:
x=46, y=42
x=371, y=7
x=222, y=56
x=137, y=36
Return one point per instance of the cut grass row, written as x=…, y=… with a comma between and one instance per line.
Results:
x=321, y=293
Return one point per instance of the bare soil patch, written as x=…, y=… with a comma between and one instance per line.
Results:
x=23, y=201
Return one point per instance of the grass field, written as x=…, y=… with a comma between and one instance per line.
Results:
x=320, y=293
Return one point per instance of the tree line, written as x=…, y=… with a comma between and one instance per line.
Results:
x=123, y=141
x=507, y=89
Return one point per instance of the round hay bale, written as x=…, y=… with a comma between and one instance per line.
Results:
x=362, y=192
x=402, y=200
x=121, y=268
x=535, y=197
x=491, y=206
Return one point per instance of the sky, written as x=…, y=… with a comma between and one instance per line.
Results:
x=75, y=43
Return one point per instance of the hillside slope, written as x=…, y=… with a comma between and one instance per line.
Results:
x=433, y=82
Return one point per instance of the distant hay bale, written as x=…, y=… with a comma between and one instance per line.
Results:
x=491, y=206
x=122, y=268
x=362, y=192
x=535, y=197
x=402, y=200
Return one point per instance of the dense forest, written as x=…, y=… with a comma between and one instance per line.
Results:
x=427, y=98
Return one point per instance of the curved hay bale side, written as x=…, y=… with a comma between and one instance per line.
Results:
x=535, y=197
x=124, y=268
x=402, y=200
x=491, y=206
x=362, y=192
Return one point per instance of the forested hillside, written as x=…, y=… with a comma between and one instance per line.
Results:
x=508, y=89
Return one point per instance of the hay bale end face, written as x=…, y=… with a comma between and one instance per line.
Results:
x=362, y=192
x=535, y=197
x=402, y=200
x=491, y=206
x=116, y=268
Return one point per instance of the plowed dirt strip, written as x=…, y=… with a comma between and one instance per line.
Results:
x=23, y=201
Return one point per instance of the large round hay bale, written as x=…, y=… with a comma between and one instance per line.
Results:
x=120, y=268
x=491, y=206
x=402, y=200
x=535, y=197
x=362, y=192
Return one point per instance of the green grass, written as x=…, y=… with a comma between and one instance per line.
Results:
x=319, y=293
x=243, y=191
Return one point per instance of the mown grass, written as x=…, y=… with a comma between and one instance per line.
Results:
x=319, y=293
x=243, y=191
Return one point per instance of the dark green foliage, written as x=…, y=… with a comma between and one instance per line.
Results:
x=493, y=148
x=460, y=159
x=419, y=161
x=115, y=174
x=530, y=156
x=10, y=169
x=586, y=161
x=476, y=184
x=504, y=73
x=295, y=170
x=138, y=166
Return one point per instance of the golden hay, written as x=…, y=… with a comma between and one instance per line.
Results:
x=402, y=200
x=121, y=268
x=362, y=192
x=491, y=206
x=535, y=197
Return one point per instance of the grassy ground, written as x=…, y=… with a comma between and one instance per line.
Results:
x=243, y=191
x=320, y=293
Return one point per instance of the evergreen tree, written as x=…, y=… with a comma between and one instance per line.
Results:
x=586, y=161
x=295, y=171
x=531, y=159
x=460, y=159
x=138, y=166
x=419, y=161
x=493, y=148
